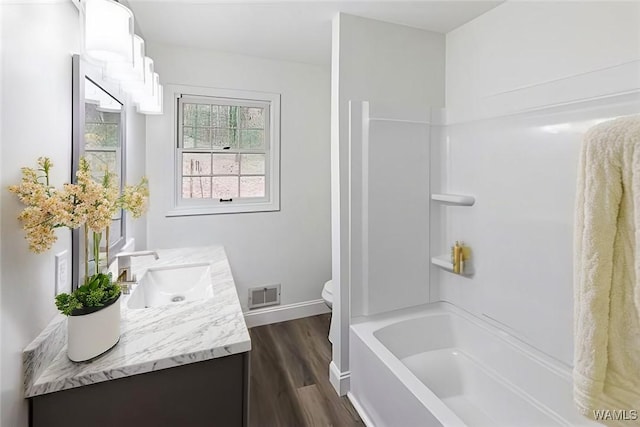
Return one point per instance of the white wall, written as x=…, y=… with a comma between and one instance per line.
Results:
x=528, y=58
x=37, y=43
x=400, y=71
x=36, y=107
x=291, y=246
x=520, y=45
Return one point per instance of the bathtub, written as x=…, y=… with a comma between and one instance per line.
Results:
x=437, y=365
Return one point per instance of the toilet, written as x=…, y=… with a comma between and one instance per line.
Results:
x=327, y=293
x=327, y=296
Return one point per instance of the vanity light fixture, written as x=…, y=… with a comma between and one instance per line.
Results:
x=145, y=90
x=92, y=94
x=109, y=39
x=103, y=101
x=152, y=104
x=109, y=106
x=107, y=31
x=130, y=74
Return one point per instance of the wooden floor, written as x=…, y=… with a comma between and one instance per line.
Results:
x=290, y=377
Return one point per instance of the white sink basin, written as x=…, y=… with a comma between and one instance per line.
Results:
x=171, y=285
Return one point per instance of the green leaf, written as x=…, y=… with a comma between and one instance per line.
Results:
x=96, y=293
x=67, y=303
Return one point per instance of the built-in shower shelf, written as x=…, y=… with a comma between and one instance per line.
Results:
x=453, y=199
x=444, y=262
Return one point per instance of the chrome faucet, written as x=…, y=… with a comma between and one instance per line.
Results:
x=125, y=277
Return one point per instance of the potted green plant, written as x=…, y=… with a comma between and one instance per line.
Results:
x=93, y=309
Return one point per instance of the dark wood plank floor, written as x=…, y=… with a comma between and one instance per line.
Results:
x=290, y=377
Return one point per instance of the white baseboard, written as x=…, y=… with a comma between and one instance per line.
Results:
x=341, y=381
x=360, y=410
x=282, y=313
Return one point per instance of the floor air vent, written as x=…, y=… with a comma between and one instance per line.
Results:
x=264, y=296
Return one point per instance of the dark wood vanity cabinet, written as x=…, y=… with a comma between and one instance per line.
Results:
x=210, y=393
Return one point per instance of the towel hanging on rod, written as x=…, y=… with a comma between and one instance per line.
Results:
x=607, y=272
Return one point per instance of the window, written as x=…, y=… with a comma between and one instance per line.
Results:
x=227, y=152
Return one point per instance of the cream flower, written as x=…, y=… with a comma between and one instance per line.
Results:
x=45, y=207
x=134, y=198
x=87, y=202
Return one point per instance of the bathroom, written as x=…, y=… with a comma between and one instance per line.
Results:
x=476, y=111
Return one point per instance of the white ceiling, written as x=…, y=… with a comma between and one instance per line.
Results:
x=295, y=31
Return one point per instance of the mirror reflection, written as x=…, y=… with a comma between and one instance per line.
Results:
x=98, y=128
x=102, y=141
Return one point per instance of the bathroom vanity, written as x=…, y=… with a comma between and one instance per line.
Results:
x=179, y=363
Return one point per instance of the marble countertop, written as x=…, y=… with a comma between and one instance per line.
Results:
x=152, y=338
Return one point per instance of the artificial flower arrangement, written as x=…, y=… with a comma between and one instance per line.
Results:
x=87, y=204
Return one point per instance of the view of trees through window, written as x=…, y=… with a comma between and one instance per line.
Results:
x=224, y=151
x=102, y=147
x=102, y=140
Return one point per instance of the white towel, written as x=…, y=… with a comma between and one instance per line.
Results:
x=606, y=273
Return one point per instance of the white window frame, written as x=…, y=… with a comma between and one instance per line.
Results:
x=271, y=201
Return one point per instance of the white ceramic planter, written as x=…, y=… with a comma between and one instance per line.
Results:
x=90, y=335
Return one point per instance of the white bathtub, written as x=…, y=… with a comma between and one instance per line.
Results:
x=436, y=365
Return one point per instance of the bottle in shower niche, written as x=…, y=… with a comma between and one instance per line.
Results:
x=456, y=258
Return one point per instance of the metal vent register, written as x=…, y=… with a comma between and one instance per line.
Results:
x=264, y=296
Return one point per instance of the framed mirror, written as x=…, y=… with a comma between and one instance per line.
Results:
x=99, y=136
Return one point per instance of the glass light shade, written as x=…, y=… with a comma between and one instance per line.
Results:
x=108, y=31
x=109, y=104
x=95, y=95
x=141, y=92
x=129, y=74
x=152, y=104
x=92, y=94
